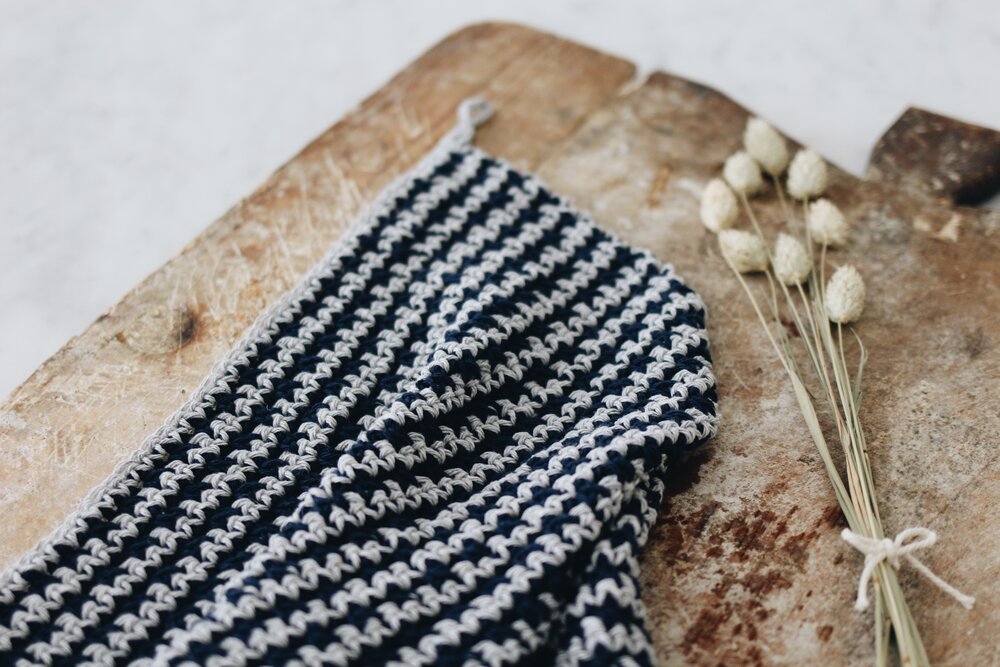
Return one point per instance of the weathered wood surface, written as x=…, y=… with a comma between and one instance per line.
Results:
x=745, y=564
x=939, y=156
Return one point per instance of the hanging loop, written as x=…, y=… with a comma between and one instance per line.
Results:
x=472, y=112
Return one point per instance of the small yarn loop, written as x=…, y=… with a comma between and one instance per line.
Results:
x=472, y=112
x=906, y=543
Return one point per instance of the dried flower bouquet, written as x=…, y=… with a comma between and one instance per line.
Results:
x=795, y=283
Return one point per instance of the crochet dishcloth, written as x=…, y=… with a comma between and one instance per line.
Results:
x=446, y=446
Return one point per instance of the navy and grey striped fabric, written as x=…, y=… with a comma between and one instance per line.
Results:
x=445, y=447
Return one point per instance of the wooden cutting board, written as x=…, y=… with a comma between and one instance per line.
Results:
x=745, y=564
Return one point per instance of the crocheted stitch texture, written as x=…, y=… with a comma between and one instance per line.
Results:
x=446, y=446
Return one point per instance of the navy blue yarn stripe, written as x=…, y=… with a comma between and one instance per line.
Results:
x=359, y=618
x=467, y=392
x=466, y=459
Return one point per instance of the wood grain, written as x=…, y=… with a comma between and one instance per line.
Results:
x=745, y=564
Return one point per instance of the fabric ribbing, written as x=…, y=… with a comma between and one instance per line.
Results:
x=446, y=446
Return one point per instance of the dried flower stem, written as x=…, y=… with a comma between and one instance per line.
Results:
x=824, y=345
x=784, y=203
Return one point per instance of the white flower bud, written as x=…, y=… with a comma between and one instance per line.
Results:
x=806, y=175
x=742, y=174
x=766, y=146
x=744, y=250
x=827, y=225
x=718, y=206
x=791, y=260
x=845, y=295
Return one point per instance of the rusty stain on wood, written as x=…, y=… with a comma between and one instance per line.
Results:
x=745, y=565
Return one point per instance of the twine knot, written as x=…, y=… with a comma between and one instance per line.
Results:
x=906, y=542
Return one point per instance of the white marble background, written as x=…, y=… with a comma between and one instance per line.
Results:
x=127, y=126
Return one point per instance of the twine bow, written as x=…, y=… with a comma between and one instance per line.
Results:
x=906, y=542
